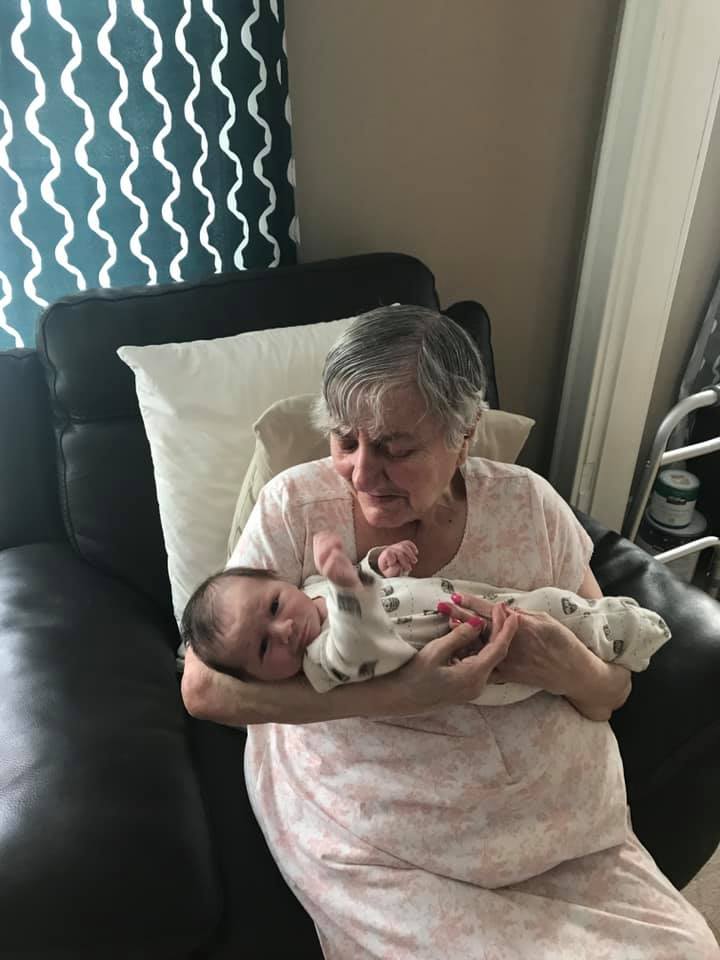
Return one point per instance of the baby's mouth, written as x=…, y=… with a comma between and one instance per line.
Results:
x=304, y=639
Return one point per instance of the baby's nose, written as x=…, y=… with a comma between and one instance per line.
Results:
x=285, y=631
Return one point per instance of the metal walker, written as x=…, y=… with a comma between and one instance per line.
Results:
x=660, y=457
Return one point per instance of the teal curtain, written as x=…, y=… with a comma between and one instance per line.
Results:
x=141, y=141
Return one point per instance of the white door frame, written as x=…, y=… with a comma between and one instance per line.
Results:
x=660, y=112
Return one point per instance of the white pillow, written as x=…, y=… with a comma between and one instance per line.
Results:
x=286, y=436
x=198, y=402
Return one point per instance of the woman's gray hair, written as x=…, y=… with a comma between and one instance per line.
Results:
x=393, y=348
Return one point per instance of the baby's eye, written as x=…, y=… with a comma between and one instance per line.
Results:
x=263, y=647
x=274, y=607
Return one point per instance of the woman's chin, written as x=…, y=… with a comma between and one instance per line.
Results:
x=392, y=513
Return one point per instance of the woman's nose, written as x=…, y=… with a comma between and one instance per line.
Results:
x=366, y=468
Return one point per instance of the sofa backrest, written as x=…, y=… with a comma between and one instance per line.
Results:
x=107, y=490
x=29, y=510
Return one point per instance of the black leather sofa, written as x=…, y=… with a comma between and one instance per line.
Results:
x=125, y=830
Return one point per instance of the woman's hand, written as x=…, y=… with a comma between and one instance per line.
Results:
x=437, y=678
x=544, y=653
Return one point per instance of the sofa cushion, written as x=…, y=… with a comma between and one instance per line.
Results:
x=104, y=849
x=105, y=467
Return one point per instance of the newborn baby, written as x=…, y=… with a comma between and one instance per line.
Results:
x=353, y=623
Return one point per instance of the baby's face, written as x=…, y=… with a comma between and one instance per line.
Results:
x=265, y=626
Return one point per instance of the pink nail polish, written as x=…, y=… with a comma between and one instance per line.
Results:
x=443, y=607
x=456, y=598
x=477, y=621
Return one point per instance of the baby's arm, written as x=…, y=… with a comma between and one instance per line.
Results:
x=395, y=560
x=332, y=562
x=359, y=640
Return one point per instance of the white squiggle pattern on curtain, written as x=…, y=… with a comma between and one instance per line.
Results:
x=105, y=48
x=158, y=148
x=46, y=187
x=6, y=287
x=140, y=142
x=197, y=176
x=294, y=225
x=20, y=208
x=246, y=35
x=223, y=139
x=68, y=85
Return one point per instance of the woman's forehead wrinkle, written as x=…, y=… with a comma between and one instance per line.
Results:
x=404, y=415
x=405, y=426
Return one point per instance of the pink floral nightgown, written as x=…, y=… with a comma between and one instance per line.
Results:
x=471, y=832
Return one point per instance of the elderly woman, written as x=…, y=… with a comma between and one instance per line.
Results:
x=417, y=825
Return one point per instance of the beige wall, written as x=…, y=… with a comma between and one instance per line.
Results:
x=462, y=132
x=698, y=274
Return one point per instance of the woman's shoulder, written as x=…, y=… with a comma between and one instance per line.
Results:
x=491, y=474
x=478, y=468
x=308, y=483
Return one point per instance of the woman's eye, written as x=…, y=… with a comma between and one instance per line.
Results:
x=346, y=441
x=274, y=606
x=399, y=454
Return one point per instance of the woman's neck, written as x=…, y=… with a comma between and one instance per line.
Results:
x=448, y=509
x=438, y=533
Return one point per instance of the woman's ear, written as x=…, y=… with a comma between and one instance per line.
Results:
x=467, y=441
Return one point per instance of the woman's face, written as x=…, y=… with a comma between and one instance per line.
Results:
x=399, y=476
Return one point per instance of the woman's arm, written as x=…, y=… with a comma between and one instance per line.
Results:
x=603, y=687
x=427, y=682
x=544, y=653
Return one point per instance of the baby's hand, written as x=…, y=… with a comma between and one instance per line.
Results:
x=332, y=561
x=398, y=559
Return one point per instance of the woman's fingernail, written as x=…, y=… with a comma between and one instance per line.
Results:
x=454, y=622
x=477, y=622
x=456, y=598
x=443, y=607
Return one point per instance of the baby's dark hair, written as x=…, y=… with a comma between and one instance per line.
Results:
x=199, y=627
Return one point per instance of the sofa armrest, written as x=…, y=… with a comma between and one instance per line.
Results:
x=104, y=850
x=29, y=501
x=669, y=729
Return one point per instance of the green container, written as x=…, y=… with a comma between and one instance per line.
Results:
x=674, y=497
